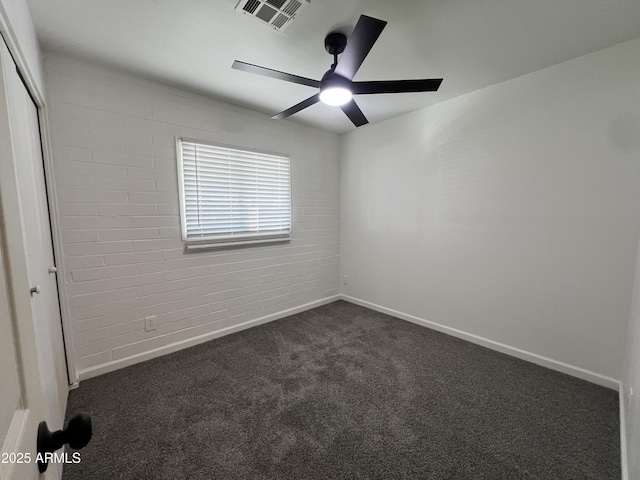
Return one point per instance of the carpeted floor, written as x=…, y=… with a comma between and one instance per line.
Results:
x=343, y=392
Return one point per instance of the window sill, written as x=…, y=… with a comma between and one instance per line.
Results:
x=222, y=244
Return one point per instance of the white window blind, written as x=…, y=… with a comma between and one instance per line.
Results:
x=232, y=196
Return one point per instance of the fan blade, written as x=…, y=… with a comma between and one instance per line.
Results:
x=365, y=34
x=396, y=86
x=354, y=113
x=267, y=72
x=296, y=108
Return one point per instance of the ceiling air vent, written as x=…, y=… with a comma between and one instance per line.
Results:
x=278, y=14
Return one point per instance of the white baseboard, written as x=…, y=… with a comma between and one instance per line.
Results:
x=623, y=432
x=175, y=346
x=499, y=347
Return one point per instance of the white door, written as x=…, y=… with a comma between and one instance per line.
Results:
x=33, y=382
x=23, y=115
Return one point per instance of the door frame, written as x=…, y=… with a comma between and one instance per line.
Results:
x=19, y=57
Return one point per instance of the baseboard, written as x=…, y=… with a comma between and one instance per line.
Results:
x=623, y=433
x=572, y=370
x=175, y=346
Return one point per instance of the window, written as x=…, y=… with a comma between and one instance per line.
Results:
x=232, y=196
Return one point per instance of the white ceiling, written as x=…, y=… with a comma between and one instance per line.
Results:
x=470, y=43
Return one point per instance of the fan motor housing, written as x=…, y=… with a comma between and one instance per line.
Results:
x=331, y=79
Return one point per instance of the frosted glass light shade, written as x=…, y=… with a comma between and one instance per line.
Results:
x=335, y=96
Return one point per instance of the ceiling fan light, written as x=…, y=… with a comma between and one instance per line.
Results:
x=335, y=96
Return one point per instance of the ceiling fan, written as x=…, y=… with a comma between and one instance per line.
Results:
x=337, y=86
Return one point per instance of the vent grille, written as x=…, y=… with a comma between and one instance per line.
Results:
x=276, y=3
x=292, y=8
x=251, y=6
x=280, y=21
x=266, y=13
x=278, y=14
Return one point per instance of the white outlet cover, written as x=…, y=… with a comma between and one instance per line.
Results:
x=149, y=323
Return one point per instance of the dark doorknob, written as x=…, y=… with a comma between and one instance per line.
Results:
x=77, y=435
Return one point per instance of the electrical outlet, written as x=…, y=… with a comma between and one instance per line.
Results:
x=345, y=279
x=149, y=324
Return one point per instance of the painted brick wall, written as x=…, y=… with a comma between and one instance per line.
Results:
x=115, y=171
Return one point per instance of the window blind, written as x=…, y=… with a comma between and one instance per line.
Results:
x=232, y=196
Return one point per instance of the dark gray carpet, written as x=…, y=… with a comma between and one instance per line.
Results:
x=342, y=392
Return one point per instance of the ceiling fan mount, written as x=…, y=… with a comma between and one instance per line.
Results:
x=337, y=86
x=335, y=43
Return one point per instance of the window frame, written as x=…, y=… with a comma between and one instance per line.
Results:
x=229, y=239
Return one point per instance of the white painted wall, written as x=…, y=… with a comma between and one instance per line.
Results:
x=114, y=147
x=631, y=382
x=511, y=214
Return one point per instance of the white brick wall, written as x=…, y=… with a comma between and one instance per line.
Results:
x=115, y=169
